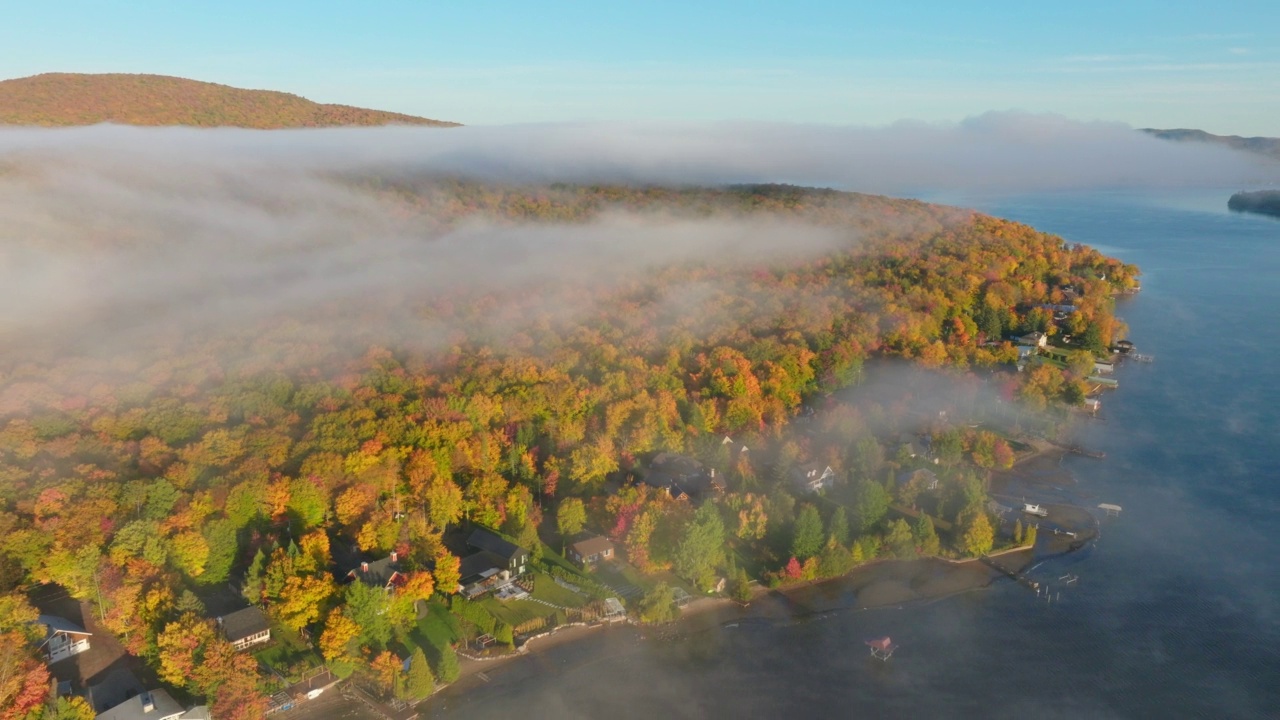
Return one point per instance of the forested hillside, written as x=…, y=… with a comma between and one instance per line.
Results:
x=1267, y=146
x=146, y=478
x=61, y=99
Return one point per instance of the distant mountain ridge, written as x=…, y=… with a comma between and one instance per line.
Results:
x=1262, y=145
x=68, y=99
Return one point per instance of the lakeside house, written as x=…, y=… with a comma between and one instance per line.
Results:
x=62, y=638
x=513, y=558
x=813, y=477
x=245, y=628
x=385, y=573
x=1035, y=339
x=681, y=476
x=493, y=566
x=590, y=552
x=924, y=478
x=153, y=705
x=907, y=444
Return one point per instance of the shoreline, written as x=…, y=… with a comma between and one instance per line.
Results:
x=880, y=584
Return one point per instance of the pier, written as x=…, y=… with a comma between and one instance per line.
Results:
x=1017, y=577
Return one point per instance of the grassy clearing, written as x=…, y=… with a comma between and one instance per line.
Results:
x=515, y=612
x=437, y=629
x=546, y=589
x=288, y=654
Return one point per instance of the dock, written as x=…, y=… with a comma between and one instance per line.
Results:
x=1078, y=450
x=1017, y=577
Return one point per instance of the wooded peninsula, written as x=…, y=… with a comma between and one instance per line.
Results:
x=479, y=463
x=1264, y=202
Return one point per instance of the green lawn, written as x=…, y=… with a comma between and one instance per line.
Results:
x=546, y=589
x=515, y=612
x=438, y=628
x=288, y=654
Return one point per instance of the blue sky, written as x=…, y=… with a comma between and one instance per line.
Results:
x=1163, y=64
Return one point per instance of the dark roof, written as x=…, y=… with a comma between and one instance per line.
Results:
x=243, y=623
x=907, y=476
x=379, y=573
x=676, y=465
x=476, y=563
x=592, y=546
x=55, y=624
x=489, y=541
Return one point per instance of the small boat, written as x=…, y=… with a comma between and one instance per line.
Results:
x=881, y=648
x=1036, y=510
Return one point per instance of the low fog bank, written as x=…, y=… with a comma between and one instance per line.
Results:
x=113, y=236
x=112, y=248
x=995, y=151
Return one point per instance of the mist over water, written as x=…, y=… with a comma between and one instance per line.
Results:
x=1175, y=613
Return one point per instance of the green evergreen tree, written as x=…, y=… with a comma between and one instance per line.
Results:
x=835, y=561
x=806, y=537
x=503, y=633
x=419, y=682
x=900, y=540
x=741, y=590
x=1017, y=531
x=658, y=605
x=870, y=503
x=838, y=527
x=1029, y=536
x=189, y=603
x=926, y=536
x=253, y=585
x=447, y=669
x=702, y=547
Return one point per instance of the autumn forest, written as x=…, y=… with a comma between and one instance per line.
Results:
x=526, y=387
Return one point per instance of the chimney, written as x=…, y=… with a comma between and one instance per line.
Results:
x=394, y=558
x=148, y=704
x=364, y=567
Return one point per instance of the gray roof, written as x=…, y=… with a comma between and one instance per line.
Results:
x=379, y=573
x=57, y=624
x=131, y=709
x=244, y=623
x=478, y=562
x=907, y=476
x=489, y=541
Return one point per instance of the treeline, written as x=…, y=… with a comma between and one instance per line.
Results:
x=138, y=483
x=1265, y=202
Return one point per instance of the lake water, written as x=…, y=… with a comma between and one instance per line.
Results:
x=1175, y=613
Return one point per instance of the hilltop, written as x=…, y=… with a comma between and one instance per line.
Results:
x=1261, y=145
x=65, y=99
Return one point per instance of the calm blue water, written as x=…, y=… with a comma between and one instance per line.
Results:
x=1176, y=611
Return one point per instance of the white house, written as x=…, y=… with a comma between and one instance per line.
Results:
x=813, y=478
x=1034, y=339
x=62, y=638
x=245, y=628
